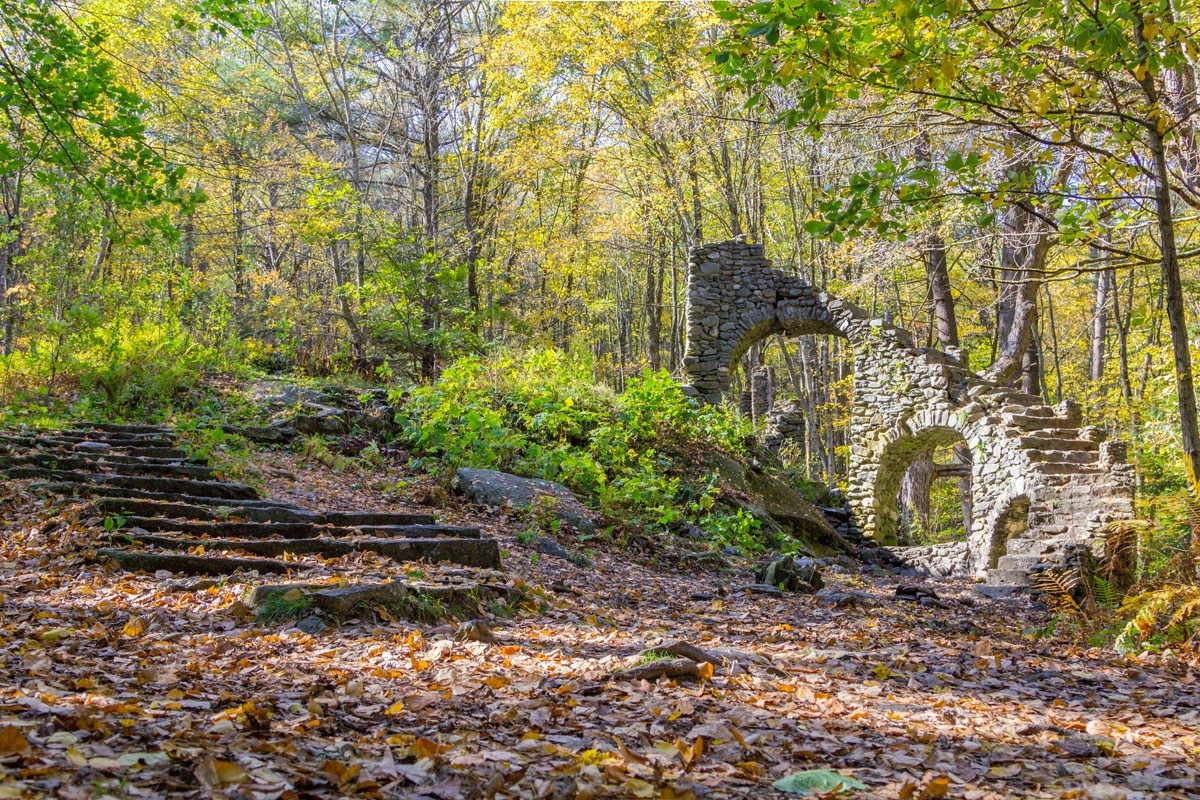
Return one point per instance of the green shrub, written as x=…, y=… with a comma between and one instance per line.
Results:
x=542, y=416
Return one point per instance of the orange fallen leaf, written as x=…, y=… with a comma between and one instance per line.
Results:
x=427, y=748
x=627, y=754
x=938, y=787
x=215, y=773
x=134, y=628
x=13, y=741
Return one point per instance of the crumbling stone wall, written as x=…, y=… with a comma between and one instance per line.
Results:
x=1039, y=483
x=786, y=422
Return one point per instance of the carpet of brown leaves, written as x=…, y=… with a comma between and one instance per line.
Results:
x=113, y=685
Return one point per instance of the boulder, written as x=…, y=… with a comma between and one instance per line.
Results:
x=776, y=504
x=791, y=575
x=494, y=488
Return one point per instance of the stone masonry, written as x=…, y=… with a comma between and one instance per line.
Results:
x=1040, y=483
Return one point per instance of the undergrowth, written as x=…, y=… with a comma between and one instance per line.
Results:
x=542, y=416
x=284, y=606
x=1131, y=600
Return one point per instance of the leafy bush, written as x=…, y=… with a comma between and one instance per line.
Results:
x=542, y=416
x=82, y=366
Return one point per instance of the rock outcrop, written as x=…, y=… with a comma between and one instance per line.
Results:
x=494, y=488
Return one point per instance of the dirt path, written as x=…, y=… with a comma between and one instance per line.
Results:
x=112, y=683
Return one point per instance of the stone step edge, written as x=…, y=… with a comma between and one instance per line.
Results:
x=132, y=561
x=295, y=530
x=478, y=553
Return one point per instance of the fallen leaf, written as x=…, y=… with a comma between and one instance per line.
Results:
x=215, y=773
x=13, y=741
x=817, y=781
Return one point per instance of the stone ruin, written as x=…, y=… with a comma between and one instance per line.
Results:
x=1041, y=485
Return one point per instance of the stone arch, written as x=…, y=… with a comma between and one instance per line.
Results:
x=894, y=458
x=1038, y=480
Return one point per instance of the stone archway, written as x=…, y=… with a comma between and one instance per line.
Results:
x=894, y=460
x=1039, y=481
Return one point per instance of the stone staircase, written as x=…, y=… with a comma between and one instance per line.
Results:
x=167, y=511
x=1078, y=481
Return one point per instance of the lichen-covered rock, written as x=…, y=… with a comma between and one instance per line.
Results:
x=494, y=488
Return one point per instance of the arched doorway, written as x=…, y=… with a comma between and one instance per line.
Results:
x=894, y=461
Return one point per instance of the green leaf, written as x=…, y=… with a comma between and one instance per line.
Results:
x=817, y=781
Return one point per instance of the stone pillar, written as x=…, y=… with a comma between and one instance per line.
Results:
x=762, y=393
x=785, y=422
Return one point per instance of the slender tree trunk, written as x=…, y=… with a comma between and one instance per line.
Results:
x=1176, y=313
x=1103, y=280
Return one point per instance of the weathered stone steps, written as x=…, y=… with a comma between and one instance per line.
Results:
x=45, y=444
x=254, y=511
x=1008, y=577
x=102, y=490
x=108, y=427
x=480, y=553
x=1036, y=423
x=294, y=530
x=1049, y=443
x=138, y=476
x=76, y=464
x=193, y=565
x=197, y=488
x=1085, y=457
x=405, y=597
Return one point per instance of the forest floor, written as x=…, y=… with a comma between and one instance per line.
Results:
x=113, y=685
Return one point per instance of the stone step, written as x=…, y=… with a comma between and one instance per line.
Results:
x=1031, y=422
x=1065, y=456
x=101, y=466
x=1017, y=398
x=1060, y=468
x=232, y=491
x=1030, y=411
x=1020, y=562
x=1070, y=432
x=94, y=490
x=193, y=565
x=116, y=441
x=120, y=458
x=481, y=553
x=1054, y=443
x=1008, y=577
x=255, y=511
x=417, y=600
x=293, y=530
x=109, y=427
x=43, y=444
x=1036, y=547
x=206, y=512
x=353, y=519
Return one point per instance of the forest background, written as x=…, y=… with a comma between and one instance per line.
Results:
x=373, y=191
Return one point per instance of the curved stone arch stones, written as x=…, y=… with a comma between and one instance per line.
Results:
x=1039, y=482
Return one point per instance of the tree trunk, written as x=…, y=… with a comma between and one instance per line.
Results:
x=1176, y=313
x=914, y=496
x=937, y=273
x=1104, y=280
